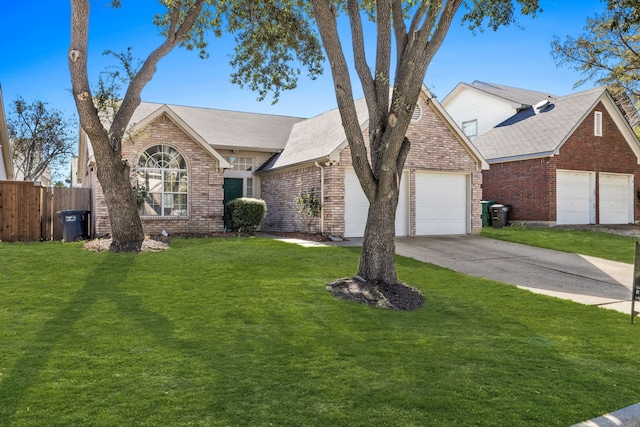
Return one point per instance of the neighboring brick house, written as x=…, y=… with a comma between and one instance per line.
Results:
x=220, y=155
x=556, y=160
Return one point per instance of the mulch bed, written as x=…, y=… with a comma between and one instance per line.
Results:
x=390, y=296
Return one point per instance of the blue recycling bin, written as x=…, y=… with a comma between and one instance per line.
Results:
x=75, y=225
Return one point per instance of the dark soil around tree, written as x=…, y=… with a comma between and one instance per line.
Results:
x=392, y=297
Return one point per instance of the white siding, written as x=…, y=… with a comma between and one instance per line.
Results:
x=471, y=105
x=3, y=172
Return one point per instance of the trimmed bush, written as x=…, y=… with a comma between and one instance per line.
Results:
x=245, y=214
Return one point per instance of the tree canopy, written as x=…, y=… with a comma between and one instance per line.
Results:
x=608, y=53
x=41, y=138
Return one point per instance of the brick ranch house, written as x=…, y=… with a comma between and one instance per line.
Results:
x=556, y=160
x=192, y=160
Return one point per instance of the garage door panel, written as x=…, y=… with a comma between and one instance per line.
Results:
x=574, y=197
x=356, y=207
x=441, y=204
x=615, y=193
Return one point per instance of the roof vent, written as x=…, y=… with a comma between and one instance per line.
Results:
x=417, y=113
x=541, y=105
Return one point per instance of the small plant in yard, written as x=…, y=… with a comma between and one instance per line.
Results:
x=308, y=207
x=245, y=214
x=140, y=193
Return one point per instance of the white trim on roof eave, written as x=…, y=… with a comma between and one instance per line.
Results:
x=461, y=86
x=246, y=148
x=165, y=109
x=622, y=124
x=520, y=157
x=296, y=165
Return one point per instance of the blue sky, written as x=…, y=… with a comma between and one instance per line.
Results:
x=35, y=38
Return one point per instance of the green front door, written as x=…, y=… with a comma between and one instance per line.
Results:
x=232, y=190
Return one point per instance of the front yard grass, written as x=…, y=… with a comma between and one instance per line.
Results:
x=593, y=243
x=237, y=331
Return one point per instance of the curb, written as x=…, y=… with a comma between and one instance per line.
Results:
x=625, y=417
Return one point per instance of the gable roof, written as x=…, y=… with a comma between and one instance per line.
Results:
x=529, y=135
x=322, y=138
x=226, y=129
x=319, y=138
x=6, y=164
x=212, y=129
x=518, y=98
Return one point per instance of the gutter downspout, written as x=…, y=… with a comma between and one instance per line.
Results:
x=318, y=165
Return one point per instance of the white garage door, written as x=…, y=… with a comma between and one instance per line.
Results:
x=356, y=207
x=441, y=204
x=616, y=199
x=575, y=197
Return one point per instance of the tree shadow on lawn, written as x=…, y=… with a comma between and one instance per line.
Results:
x=102, y=284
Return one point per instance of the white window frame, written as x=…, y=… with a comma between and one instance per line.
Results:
x=468, y=122
x=242, y=167
x=162, y=163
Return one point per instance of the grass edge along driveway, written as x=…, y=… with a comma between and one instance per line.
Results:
x=243, y=332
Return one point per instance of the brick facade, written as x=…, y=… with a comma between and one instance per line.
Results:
x=205, y=179
x=433, y=148
x=530, y=185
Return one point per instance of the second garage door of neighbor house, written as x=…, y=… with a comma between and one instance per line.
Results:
x=356, y=206
x=442, y=203
x=616, y=198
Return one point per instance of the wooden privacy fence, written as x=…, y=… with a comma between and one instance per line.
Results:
x=29, y=212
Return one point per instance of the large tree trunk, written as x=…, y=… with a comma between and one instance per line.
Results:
x=113, y=175
x=377, y=264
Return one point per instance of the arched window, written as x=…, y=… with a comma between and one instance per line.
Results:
x=163, y=172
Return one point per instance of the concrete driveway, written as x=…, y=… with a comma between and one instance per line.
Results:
x=580, y=278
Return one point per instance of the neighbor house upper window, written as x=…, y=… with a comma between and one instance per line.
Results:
x=470, y=128
x=597, y=123
x=162, y=171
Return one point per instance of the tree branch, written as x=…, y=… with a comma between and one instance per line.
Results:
x=344, y=94
x=132, y=99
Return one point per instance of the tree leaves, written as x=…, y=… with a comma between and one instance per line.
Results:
x=40, y=137
x=607, y=52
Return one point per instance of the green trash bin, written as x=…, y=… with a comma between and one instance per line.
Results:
x=486, y=215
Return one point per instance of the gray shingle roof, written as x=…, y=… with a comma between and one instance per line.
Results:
x=524, y=97
x=318, y=137
x=229, y=129
x=528, y=134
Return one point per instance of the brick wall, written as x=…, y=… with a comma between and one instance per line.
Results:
x=433, y=148
x=279, y=191
x=530, y=185
x=205, y=192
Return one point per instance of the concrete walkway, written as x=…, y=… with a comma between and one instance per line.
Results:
x=581, y=278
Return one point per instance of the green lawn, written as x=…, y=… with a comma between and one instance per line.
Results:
x=598, y=244
x=241, y=332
